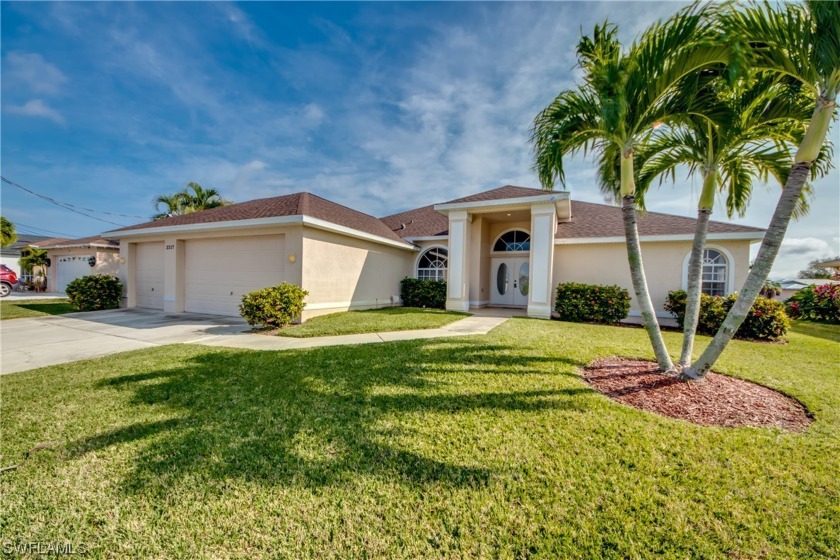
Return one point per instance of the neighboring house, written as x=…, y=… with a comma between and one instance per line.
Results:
x=11, y=255
x=74, y=258
x=509, y=246
x=790, y=287
x=833, y=264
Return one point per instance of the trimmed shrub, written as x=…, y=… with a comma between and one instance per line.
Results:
x=766, y=320
x=95, y=292
x=276, y=306
x=588, y=303
x=816, y=303
x=423, y=293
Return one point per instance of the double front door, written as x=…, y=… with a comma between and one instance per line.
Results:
x=509, y=281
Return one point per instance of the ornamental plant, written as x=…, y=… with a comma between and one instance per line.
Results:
x=423, y=293
x=588, y=303
x=816, y=303
x=276, y=306
x=95, y=292
x=766, y=319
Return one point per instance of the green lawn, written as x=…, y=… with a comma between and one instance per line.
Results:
x=374, y=320
x=16, y=309
x=486, y=446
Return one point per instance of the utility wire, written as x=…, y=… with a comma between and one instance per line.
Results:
x=38, y=231
x=71, y=207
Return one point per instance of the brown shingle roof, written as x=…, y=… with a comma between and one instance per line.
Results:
x=599, y=220
x=94, y=240
x=298, y=204
x=588, y=219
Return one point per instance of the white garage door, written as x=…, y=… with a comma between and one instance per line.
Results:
x=70, y=268
x=149, y=275
x=218, y=272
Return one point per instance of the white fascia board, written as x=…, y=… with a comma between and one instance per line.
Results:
x=350, y=232
x=739, y=236
x=258, y=222
x=427, y=238
x=503, y=202
x=82, y=246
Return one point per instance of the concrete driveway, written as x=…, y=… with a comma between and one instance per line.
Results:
x=45, y=341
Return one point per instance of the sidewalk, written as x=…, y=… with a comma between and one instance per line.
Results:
x=23, y=296
x=480, y=323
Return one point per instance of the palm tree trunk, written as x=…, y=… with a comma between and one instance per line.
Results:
x=808, y=151
x=695, y=283
x=637, y=274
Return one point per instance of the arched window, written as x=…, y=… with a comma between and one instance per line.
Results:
x=715, y=273
x=514, y=240
x=432, y=264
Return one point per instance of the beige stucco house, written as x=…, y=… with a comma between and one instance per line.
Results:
x=73, y=258
x=509, y=247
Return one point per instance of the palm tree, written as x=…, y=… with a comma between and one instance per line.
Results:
x=32, y=259
x=624, y=95
x=732, y=137
x=800, y=41
x=8, y=234
x=197, y=198
x=194, y=198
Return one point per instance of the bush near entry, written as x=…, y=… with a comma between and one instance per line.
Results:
x=95, y=292
x=816, y=303
x=766, y=319
x=276, y=306
x=589, y=303
x=423, y=293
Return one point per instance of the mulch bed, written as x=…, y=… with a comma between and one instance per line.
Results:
x=719, y=400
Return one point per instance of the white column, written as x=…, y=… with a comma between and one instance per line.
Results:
x=458, y=283
x=540, y=290
x=129, y=253
x=173, y=275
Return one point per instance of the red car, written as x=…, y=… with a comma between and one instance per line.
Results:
x=8, y=279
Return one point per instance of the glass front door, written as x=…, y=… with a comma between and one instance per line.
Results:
x=509, y=282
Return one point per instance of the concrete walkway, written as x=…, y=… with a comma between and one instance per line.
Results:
x=477, y=324
x=50, y=340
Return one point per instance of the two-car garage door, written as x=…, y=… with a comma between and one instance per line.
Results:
x=218, y=272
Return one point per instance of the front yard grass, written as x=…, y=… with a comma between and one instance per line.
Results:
x=485, y=446
x=17, y=309
x=373, y=320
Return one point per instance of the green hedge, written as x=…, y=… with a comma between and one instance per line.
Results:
x=766, y=320
x=95, y=292
x=276, y=306
x=423, y=293
x=816, y=303
x=588, y=303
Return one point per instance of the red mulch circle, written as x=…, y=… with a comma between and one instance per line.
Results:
x=719, y=400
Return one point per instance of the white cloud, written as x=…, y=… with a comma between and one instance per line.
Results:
x=35, y=108
x=31, y=71
x=796, y=252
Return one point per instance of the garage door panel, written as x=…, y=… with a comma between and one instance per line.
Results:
x=70, y=268
x=149, y=275
x=218, y=272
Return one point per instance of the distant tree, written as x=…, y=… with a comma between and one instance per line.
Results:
x=8, y=233
x=814, y=270
x=194, y=198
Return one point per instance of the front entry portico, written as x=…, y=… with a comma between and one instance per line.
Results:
x=490, y=265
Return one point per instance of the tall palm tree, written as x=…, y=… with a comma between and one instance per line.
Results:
x=800, y=41
x=625, y=94
x=197, y=198
x=173, y=205
x=732, y=137
x=8, y=234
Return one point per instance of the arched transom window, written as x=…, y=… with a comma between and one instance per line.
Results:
x=432, y=264
x=514, y=240
x=715, y=272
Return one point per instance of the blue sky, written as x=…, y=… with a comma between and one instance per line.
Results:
x=379, y=106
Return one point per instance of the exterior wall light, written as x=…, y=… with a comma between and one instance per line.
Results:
x=92, y=261
x=292, y=258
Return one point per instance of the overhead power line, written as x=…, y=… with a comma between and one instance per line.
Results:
x=72, y=207
x=34, y=230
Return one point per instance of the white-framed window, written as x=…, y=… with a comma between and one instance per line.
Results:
x=513, y=240
x=432, y=264
x=715, y=273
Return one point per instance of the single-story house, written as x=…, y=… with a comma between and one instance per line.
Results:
x=11, y=255
x=73, y=258
x=508, y=246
